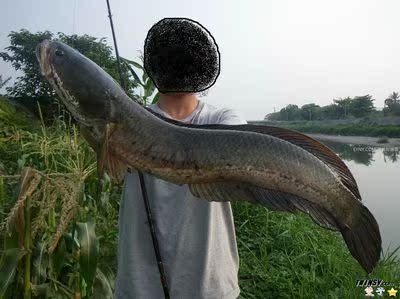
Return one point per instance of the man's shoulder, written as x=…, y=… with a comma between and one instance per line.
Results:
x=154, y=107
x=210, y=114
x=222, y=115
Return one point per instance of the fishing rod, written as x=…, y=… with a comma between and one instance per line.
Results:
x=149, y=214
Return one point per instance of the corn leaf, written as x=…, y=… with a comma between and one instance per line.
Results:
x=134, y=75
x=8, y=265
x=58, y=257
x=134, y=63
x=11, y=238
x=156, y=97
x=40, y=264
x=145, y=76
x=149, y=88
x=89, y=250
x=2, y=193
x=101, y=286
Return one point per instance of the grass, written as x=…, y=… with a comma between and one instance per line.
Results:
x=281, y=255
x=288, y=256
x=392, y=131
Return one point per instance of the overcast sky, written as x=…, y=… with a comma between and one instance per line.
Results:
x=272, y=52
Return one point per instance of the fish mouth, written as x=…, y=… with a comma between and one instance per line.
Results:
x=43, y=57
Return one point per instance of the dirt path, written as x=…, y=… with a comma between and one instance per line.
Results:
x=372, y=141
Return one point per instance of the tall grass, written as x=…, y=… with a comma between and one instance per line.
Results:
x=288, y=256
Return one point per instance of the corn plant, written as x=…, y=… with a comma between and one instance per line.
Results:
x=48, y=210
x=54, y=202
x=146, y=85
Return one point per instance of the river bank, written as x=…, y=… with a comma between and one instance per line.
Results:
x=365, y=140
x=327, y=128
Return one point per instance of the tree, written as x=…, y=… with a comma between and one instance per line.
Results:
x=3, y=82
x=290, y=112
x=310, y=111
x=362, y=105
x=330, y=111
x=21, y=55
x=392, y=104
x=393, y=98
x=343, y=106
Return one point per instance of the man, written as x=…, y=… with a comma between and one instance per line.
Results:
x=196, y=237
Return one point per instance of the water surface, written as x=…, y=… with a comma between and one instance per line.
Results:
x=377, y=172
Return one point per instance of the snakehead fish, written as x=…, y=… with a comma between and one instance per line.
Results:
x=279, y=169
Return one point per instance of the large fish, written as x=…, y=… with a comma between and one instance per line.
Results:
x=277, y=168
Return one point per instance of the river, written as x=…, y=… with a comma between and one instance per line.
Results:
x=377, y=172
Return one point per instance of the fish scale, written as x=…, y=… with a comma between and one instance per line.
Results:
x=216, y=149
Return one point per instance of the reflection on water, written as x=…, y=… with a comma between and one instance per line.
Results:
x=363, y=154
x=391, y=154
x=377, y=172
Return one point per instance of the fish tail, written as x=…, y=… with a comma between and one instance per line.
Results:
x=364, y=240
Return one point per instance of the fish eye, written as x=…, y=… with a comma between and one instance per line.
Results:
x=59, y=52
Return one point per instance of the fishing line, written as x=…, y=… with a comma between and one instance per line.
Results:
x=141, y=179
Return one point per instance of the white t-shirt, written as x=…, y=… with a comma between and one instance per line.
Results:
x=196, y=237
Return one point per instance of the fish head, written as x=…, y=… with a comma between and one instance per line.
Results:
x=85, y=89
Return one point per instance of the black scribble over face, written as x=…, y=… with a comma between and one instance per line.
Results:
x=180, y=55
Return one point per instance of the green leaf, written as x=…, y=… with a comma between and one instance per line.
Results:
x=40, y=264
x=89, y=250
x=134, y=63
x=145, y=76
x=11, y=238
x=8, y=265
x=42, y=290
x=2, y=193
x=101, y=286
x=69, y=243
x=134, y=75
x=149, y=88
x=58, y=257
x=156, y=97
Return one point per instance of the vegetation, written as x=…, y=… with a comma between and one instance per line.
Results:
x=31, y=87
x=291, y=257
x=21, y=55
x=3, y=82
x=58, y=236
x=341, y=108
x=49, y=202
x=291, y=253
x=49, y=195
x=55, y=213
x=392, y=104
x=361, y=129
x=347, y=108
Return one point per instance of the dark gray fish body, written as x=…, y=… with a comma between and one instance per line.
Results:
x=280, y=169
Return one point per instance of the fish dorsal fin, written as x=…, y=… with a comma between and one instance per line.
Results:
x=319, y=150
